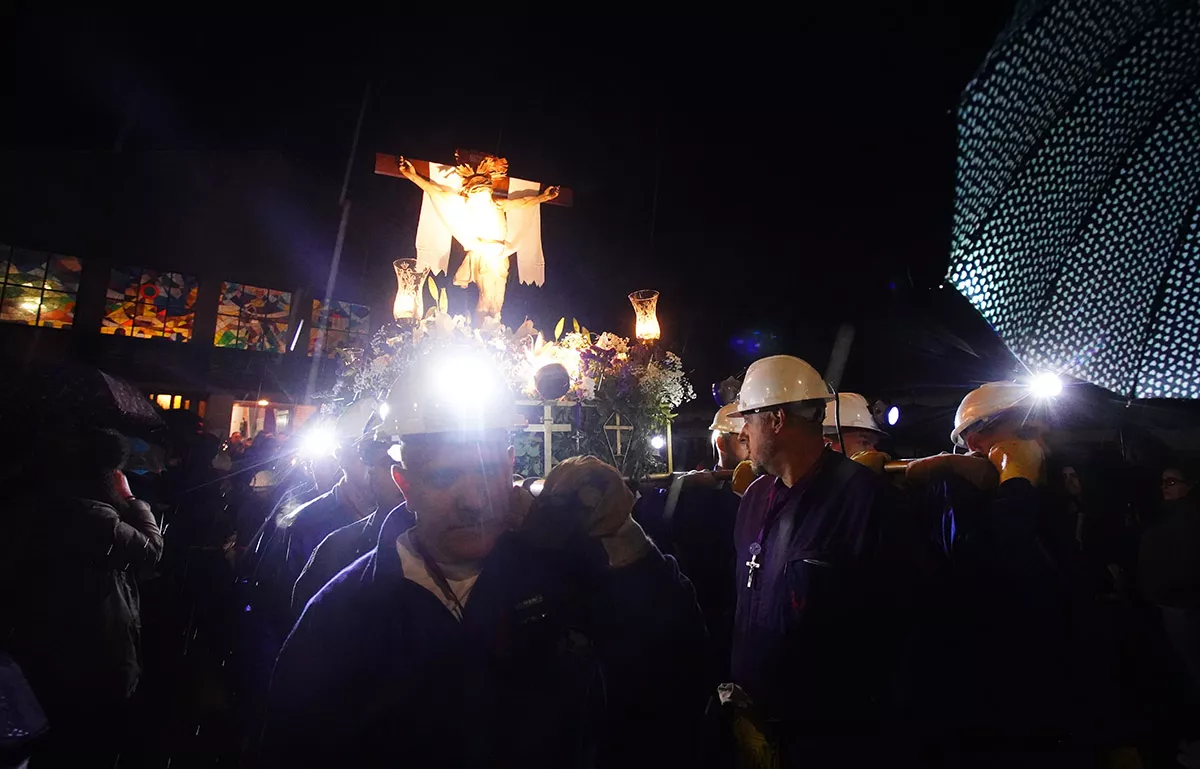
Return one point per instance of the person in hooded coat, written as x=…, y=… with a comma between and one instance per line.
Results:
x=69, y=604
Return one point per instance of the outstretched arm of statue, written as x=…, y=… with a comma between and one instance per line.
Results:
x=409, y=172
x=532, y=200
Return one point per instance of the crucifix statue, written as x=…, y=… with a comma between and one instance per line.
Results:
x=490, y=214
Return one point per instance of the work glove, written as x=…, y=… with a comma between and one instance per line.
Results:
x=1019, y=459
x=743, y=476
x=581, y=495
x=974, y=468
x=519, y=504
x=875, y=460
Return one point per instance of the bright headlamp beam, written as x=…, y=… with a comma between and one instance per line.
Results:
x=893, y=416
x=658, y=442
x=1045, y=385
x=317, y=443
x=463, y=378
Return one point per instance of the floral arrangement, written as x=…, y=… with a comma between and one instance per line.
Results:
x=607, y=376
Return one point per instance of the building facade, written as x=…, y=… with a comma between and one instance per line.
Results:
x=207, y=279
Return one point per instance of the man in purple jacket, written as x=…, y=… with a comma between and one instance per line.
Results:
x=820, y=579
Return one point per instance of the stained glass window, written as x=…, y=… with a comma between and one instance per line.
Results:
x=338, y=325
x=39, y=288
x=252, y=318
x=148, y=303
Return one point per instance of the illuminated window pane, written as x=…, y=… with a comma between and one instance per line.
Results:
x=63, y=273
x=150, y=304
x=164, y=401
x=38, y=288
x=252, y=318
x=27, y=268
x=338, y=325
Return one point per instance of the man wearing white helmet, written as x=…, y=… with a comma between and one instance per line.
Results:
x=727, y=437
x=1008, y=674
x=814, y=623
x=860, y=434
x=498, y=630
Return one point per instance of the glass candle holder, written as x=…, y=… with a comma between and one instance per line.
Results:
x=645, y=311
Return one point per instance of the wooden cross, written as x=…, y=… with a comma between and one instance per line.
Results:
x=618, y=428
x=547, y=428
x=387, y=165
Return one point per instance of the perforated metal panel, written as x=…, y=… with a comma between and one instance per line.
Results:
x=1077, y=193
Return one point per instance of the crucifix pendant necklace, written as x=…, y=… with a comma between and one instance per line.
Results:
x=753, y=565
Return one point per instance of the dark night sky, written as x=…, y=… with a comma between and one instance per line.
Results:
x=768, y=174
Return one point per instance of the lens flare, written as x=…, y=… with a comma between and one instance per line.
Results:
x=1046, y=385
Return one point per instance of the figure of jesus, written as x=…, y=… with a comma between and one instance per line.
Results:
x=478, y=221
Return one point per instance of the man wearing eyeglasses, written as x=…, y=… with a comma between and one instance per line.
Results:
x=1175, y=485
x=1170, y=577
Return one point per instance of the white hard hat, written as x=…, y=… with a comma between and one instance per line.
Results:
x=725, y=422
x=458, y=389
x=987, y=402
x=777, y=380
x=853, y=411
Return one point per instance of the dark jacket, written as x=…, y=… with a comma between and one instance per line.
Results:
x=267, y=574
x=337, y=551
x=69, y=600
x=815, y=637
x=698, y=531
x=1169, y=556
x=1012, y=656
x=282, y=548
x=548, y=661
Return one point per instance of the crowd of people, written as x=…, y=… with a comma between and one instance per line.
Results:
x=398, y=598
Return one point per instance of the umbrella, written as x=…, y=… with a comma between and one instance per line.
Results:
x=1078, y=193
x=80, y=393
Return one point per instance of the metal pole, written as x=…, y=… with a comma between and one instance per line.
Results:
x=319, y=352
x=670, y=455
x=841, y=351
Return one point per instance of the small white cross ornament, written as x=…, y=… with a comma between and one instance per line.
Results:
x=547, y=428
x=618, y=428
